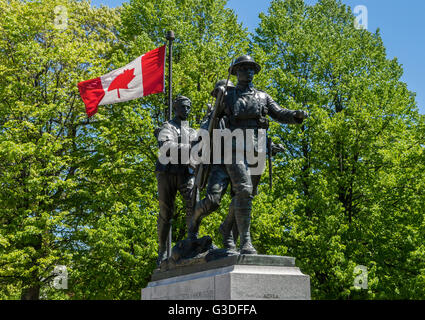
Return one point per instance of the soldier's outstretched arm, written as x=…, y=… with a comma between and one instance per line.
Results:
x=284, y=115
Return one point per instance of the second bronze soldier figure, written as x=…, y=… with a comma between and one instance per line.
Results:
x=176, y=175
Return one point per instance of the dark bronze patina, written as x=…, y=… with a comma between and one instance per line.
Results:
x=243, y=107
x=239, y=107
x=173, y=177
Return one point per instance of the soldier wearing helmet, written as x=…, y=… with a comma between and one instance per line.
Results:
x=245, y=107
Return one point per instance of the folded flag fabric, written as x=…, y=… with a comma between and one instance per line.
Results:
x=139, y=78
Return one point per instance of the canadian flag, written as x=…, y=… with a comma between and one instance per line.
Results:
x=139, y=78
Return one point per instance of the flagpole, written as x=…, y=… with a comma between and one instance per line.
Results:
x=170, y=37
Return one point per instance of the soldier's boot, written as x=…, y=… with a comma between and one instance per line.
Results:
x=195, y=220
x=243, y=219
x=163, y=228
x=162, y=255
x=228, y=241
x=226, y=229
x=202, y=209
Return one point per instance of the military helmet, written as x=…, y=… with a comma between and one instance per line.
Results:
x=221, y=83
x=179, y=101
x=245, y=59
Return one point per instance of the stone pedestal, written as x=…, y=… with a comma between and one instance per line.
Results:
x=238, y=277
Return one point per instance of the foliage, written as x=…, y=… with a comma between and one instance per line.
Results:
x=44, y=149
x=352, y=176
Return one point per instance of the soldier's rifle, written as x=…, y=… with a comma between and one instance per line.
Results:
x=203, y=169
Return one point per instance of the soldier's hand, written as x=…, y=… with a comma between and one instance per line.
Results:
x=301, y=114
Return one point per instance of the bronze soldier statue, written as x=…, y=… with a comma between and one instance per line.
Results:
x=174, y=176
x=244, y=108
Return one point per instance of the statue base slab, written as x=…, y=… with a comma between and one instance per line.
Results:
x=235, y=277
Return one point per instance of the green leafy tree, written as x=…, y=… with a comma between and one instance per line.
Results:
x=352, y=176
x=46, y=48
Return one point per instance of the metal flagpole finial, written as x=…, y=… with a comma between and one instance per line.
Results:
x=170, y=35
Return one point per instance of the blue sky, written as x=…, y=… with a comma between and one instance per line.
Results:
x=401, y=24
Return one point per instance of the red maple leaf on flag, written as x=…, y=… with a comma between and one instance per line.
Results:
x=122, y=80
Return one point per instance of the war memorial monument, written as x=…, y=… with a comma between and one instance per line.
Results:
x=190, y=161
